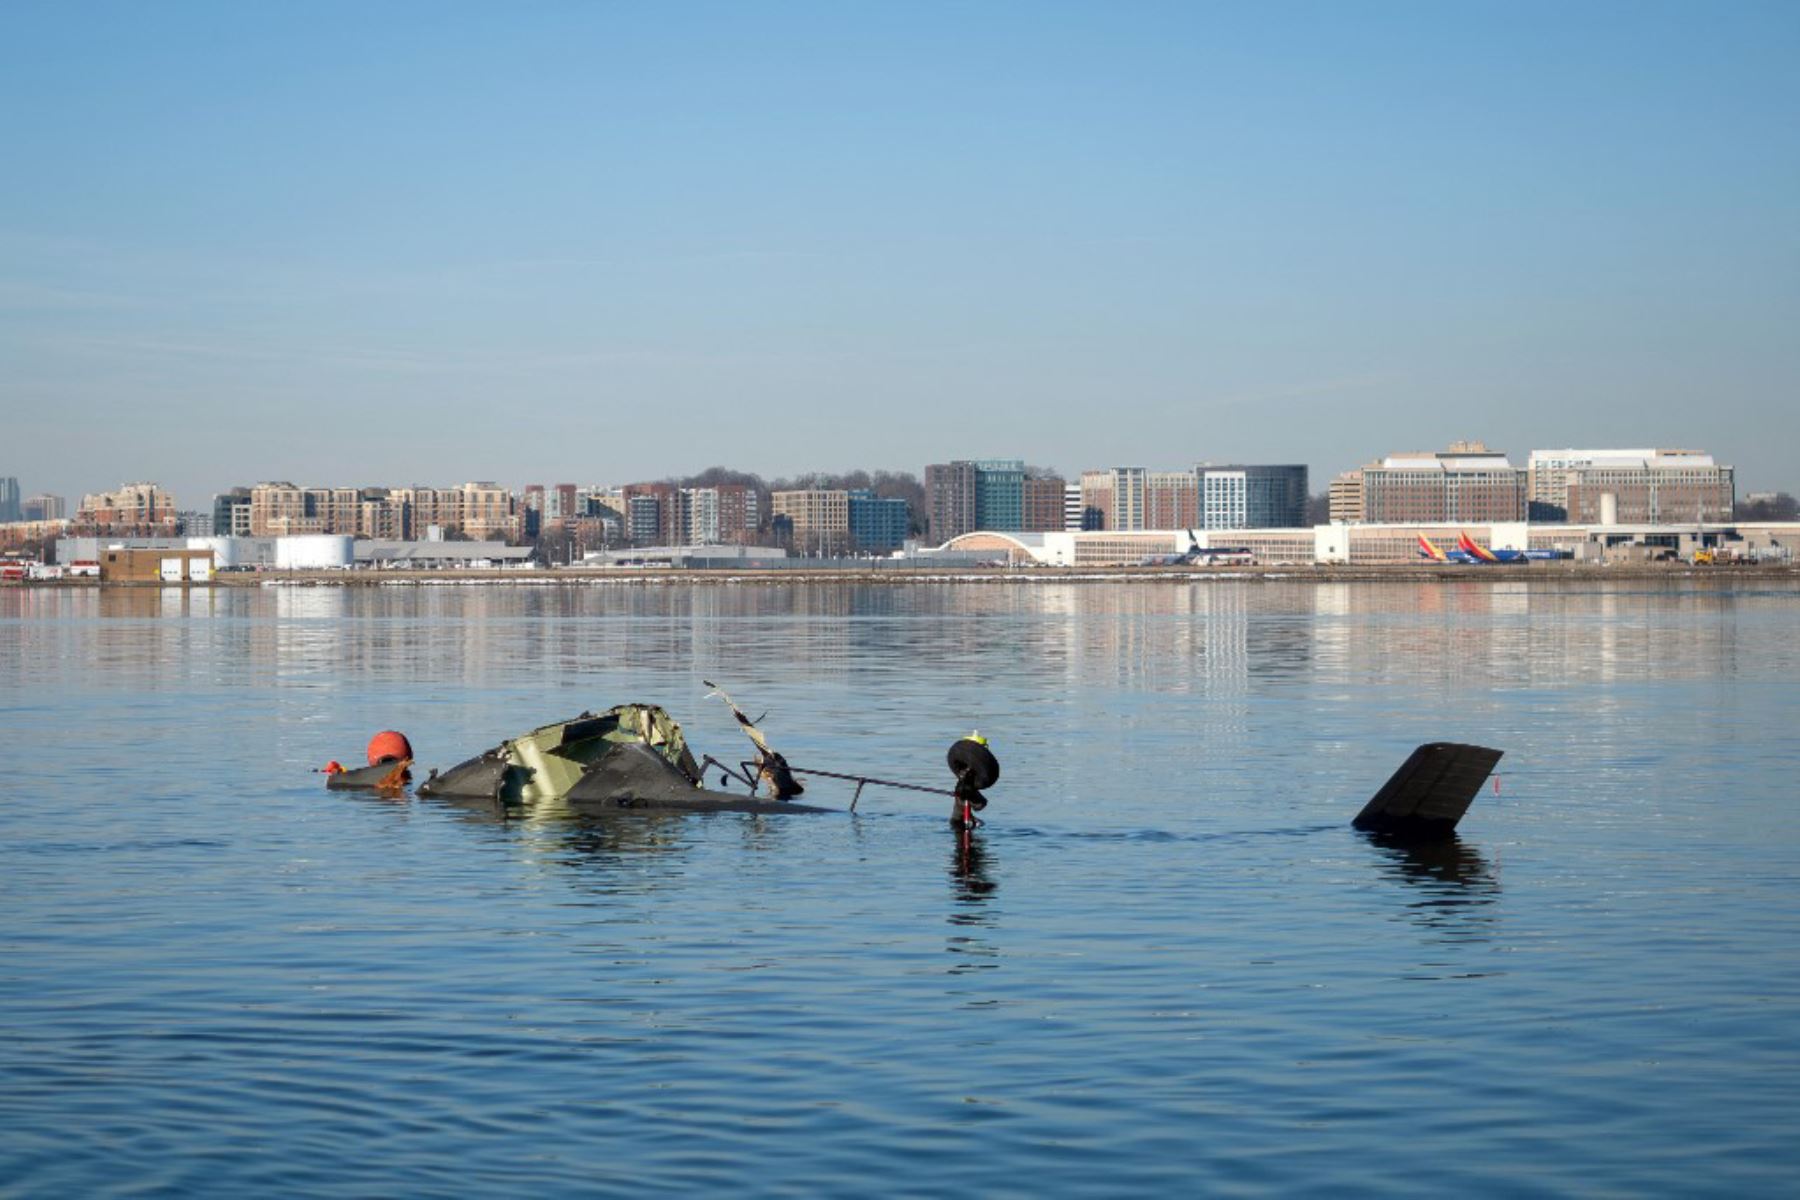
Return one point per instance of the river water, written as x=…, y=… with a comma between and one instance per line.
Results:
x=1165, y=966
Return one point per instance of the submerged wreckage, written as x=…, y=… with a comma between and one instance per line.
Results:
x=635, y=758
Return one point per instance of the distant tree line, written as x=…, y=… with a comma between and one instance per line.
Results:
x=1779, y=507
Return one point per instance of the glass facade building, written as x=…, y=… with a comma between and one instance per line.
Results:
x=875, y=523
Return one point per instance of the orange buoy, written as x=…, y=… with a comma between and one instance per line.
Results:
x=389, y=746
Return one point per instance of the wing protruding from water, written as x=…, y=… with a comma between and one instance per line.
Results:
x=1430, y=792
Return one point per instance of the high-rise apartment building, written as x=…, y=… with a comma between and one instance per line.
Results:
x=653, y=524
x=644, y=518
x=1171, y=500
x=1114, y=498
x=1467, y=482
x=814, y=512
x=723, y=513
x=135, y=510
x=1043, y=500
x=487, y=512
x=231, y=513
x=949, y=500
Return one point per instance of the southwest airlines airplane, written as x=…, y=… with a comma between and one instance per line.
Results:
x=1468, y=550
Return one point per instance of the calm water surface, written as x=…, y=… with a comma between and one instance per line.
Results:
x=1166, y=966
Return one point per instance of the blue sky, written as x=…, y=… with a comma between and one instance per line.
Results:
x=586, y=242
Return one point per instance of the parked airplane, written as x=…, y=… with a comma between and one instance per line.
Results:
x=1206, y=556
x=1470, y=552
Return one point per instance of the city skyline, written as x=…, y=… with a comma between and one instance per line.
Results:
x=592, y=243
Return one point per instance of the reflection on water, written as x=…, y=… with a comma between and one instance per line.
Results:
x=215, y=975
x=1454, y=884
x=969, y=869
x=971, y=921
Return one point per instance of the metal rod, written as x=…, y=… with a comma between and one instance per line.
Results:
x=863, y=779
x=709, y=760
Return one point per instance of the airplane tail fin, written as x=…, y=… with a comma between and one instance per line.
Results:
x=1467, y=544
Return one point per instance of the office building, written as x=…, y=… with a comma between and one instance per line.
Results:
x=1252, y=497
x=1644, y=486
x=1000, y=493
x=985, y=494
x=10, y=508
x=877, y=524
x=1467, y=482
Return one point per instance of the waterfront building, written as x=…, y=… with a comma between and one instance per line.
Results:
x=10, y=508
x=878, y=524
x=1252, y=497
x=1467, y=482
x=136, y=509
x=1395, y=545
x=1629, y=486
x=281, y=509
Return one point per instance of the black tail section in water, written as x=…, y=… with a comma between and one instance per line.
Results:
x=1430, y=792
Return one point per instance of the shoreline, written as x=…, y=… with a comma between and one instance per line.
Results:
x=1542, y=573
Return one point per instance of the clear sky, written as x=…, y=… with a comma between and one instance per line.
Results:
x=587, y=242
